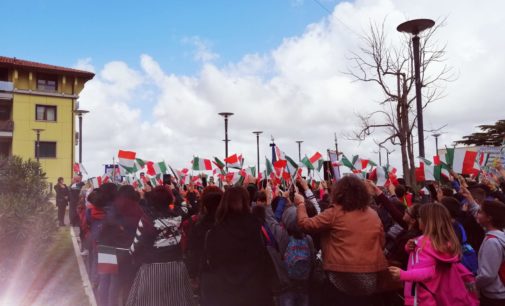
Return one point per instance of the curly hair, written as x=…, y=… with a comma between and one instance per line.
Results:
x=351, y=193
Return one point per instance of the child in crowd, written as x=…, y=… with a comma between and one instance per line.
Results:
x=438, y=246
x=491, y=272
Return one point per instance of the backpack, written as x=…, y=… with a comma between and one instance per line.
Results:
x=298, y=259
x=456, y=287
x=501, y=272
x=469, y=258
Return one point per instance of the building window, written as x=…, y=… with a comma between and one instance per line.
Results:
x=47, y=149
x=45, y=112
x=47, y=82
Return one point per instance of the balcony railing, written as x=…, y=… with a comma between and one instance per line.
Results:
x=6, y=125
x=6, y=86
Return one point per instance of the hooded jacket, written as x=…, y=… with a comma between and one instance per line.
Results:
x=491, y=257
x=422, y=268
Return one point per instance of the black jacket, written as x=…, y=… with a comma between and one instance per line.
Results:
x=237, y=263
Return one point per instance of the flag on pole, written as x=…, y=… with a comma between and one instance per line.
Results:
x=160, y=167
x=79, y=168
x=218, y=163
x=334, y=163
x=427, y=171
x=201, y=164
x=107, y=260
x=126, y=159
x=460, y=160
x=234, y=161
x=291, y=165
x=269, y=167
x=312, y=162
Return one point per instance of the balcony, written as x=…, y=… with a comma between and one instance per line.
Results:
x=6, y=126
x=6, y=86
x=6, y=89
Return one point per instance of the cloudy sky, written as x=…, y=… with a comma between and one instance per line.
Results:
x=164, y=71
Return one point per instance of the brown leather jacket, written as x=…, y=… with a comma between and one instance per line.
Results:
x=351, y=241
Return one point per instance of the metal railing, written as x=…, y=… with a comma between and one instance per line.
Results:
x=6, y=86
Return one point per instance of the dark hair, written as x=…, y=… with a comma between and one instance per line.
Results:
x=93, y=196
x=259, y=212
x=211, y=196
x=495, y=210
x=235, y=201
x=479, y=194
x=447, y=191
x=452, y=206
x=252, y=190
x=60, y=179
x=261, y=196
x=400, y=191
x=104, y=195
x=159, y=198
x=351, y=193
x=127, y=191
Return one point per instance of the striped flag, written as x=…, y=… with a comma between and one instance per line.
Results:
x=201, y=164
x=312, y=163
x=126, y=159
x=107, y=260
x=234, y=161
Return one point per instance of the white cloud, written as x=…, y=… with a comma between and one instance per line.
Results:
x=202, y=52
x=85, y=64
x=295, y=92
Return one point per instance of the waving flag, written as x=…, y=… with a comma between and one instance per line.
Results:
x=201, y=164
x=126, y=159
x=234, y=161
x=313, y=162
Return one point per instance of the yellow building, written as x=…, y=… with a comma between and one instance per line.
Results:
x=40, y=96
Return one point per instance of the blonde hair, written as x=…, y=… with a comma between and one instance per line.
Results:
x=438, y=227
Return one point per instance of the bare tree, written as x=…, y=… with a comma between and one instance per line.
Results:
x=391, y=68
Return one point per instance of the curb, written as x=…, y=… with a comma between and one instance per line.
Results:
x=82, y=269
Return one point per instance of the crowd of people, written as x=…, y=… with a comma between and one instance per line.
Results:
x=346, y=243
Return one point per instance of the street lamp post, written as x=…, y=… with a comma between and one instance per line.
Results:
x=336, y=147
x=258, y=147
x=415, y=27
x=226, y=140
x=80, y=113
x=37, y=145
x=299, y=142
x=436, y=135
x=387, y=155
x=380, y=155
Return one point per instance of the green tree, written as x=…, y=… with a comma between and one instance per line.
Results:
x=491, y=135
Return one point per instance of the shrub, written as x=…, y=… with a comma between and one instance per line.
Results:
x=27, y=217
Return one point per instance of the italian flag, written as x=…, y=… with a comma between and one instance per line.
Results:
x=126, y=159
x=79, y=168
x=427, y=171
x=269, y=167
x=160, y=167
x=201, y=164
x=107, y=260
x=461, y=161
x=312, y=162
x=96, y=181
x=218, y=163
x=234, y=161
x=251, y=171
x=291, y=165
x=279, y=155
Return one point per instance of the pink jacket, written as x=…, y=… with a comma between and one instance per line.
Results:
x=422, y=268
